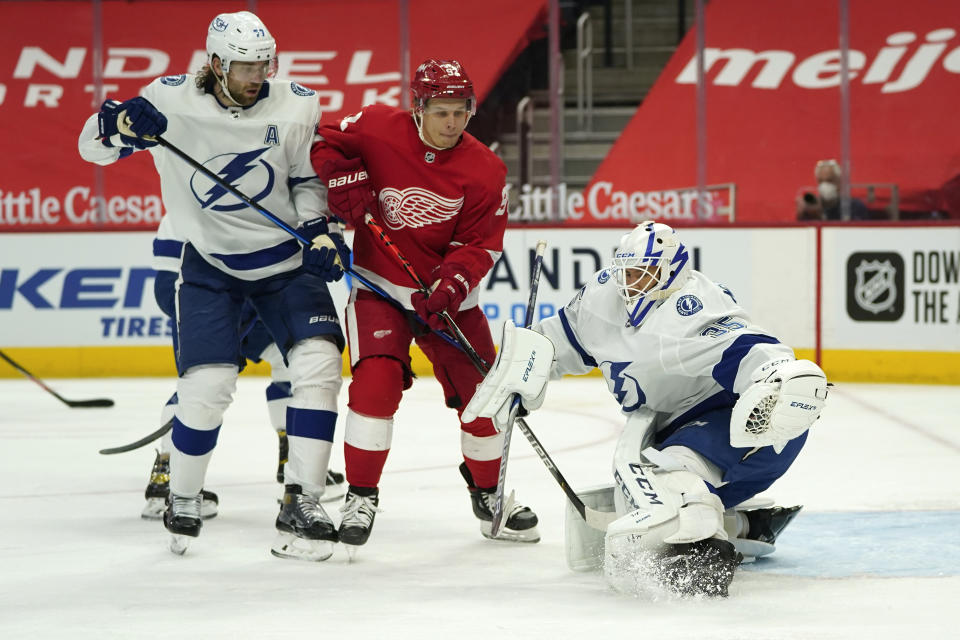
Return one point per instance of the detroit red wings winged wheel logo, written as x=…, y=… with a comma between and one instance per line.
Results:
x=415, y=207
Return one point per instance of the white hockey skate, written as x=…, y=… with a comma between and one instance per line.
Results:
x=304, y=530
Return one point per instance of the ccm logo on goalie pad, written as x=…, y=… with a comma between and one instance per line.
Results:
x=807, y=407
x=348, y=179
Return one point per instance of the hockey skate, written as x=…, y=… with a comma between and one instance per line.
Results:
x=519, y=522
x=359, y=510
x=336, y=487
x=182, y=520
x=336, y=482
x=763, y=527
x=304, y=530
x=158, y=487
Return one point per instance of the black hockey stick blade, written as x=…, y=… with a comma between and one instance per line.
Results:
x=84, y=404
x=73, y=404
x=147, y=439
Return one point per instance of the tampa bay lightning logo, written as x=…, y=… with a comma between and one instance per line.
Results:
x=623, y=386
x=301, y=90
x=245, y=171
x=603, y=276
x=173, y=81
x=688, y=305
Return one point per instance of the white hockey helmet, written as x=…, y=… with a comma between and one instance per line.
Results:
x=649, y=265
x=241, y=37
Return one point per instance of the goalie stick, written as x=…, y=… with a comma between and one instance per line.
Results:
x=498, y=507
x=73, y=404
x=147, y=439
x=594, y=518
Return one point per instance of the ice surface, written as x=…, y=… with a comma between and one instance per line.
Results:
x=874, y=554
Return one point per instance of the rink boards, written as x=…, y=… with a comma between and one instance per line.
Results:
x=878, y=303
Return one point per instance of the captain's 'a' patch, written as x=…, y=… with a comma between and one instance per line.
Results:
x=272, y=137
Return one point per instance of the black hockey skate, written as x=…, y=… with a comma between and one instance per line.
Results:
x=766, y=525
x=336, y=486
x=158, y=488
x=519, y=522
x=359, y=510
x=182, y=520
x=702, y=568
x=304, y=530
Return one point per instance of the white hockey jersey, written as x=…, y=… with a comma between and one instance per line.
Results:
x=262, y=150
x=690, y=355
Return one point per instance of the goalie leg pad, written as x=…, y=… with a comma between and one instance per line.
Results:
x=585, y=544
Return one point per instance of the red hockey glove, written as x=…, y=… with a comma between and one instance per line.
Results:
x=449, y=290
x=349, y=192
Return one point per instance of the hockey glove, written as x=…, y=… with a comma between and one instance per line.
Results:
x=780, y=406
x=449, y=289
x=134, y=123
x=349, y=192
x=328, y=255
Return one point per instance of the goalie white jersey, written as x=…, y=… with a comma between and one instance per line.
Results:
x=690, y=355
x=262, y=150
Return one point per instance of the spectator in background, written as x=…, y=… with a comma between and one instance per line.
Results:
x=826, y=204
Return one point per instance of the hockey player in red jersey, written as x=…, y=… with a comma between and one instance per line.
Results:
x=440, y=194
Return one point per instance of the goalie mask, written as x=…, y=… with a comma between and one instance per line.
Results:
x=240, y=37
x=649, y=265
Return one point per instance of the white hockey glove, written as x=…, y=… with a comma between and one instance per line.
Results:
x=779, y=407
x=522, y=367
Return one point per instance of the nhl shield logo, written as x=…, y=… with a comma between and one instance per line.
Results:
x=875, y=289
x=429, y=156
x=875, y=286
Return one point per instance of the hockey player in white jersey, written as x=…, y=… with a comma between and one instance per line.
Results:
x=256, y=345
x=255, y=132
x=717, y=409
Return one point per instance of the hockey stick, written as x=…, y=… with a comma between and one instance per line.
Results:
x=147, y=439
x=272, y=217
x=394, y=252
x=73, y=404
x=594, y=518
x=498, y=506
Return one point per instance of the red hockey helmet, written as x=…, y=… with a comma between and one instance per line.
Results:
x=442, y=79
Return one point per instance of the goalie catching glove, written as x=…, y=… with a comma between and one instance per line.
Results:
x=522, y=368
x=779, y=406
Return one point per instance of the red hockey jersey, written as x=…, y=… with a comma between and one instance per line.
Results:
x=437, y=206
